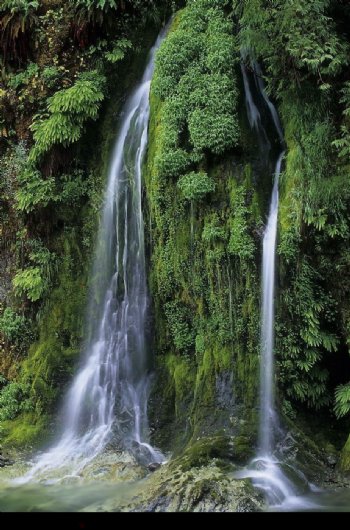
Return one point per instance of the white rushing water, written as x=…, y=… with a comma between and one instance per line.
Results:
x=267, y=471
x=267, y=409
x=109, y=394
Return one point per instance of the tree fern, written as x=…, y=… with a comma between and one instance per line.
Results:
x=68, y=111
x=118, y=51
x=342, y=400
x=82, y=99
x=33, y=190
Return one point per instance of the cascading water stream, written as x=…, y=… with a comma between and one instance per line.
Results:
x=267, y=410
x=266, y=470
x=109, y=394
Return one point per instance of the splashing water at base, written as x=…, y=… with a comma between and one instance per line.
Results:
x=108, y=397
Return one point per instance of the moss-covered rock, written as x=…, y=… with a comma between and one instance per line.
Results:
x=345, y=458
x=205, y=488
x=204, y=255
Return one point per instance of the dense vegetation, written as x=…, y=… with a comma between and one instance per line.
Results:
x=311, y=94
x=65, y=69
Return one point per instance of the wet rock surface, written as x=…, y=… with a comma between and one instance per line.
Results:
x=153, y=466
x=204, y=489
x=5, y=461
x=201, y=479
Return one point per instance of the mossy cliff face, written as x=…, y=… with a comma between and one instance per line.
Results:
x=345, y=457
x=205, y=205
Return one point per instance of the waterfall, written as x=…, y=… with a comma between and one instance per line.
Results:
x=267, y=409
x=108, y=396
x=267, y=471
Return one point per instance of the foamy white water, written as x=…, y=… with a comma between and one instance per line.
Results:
x=267, y=407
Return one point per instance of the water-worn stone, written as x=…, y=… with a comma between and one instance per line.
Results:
x=4, y=461
x=153, y=466
x=204, y=489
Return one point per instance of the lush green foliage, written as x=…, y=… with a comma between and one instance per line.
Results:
x=30, y=282
x=13, y=401
x=342, y=400
x=12, y=325
x=34, y=191
x=179, y=321
x=305, y=55
x=241, y=243
x=68, y=110
x=206, y=311
x=118, y=51
x=56, y=59
x=17, y=17
x=206, y=197
x=195, y=186
x=194, y=76
x=297, y=39
x=23, y=78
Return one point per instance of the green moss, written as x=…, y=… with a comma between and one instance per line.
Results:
x=48, y=366
x=182, y=374
x=310, y=243
x=345, y=457
x=24, y=431
x=201, y=452
x=206, y=298
x=206, y=304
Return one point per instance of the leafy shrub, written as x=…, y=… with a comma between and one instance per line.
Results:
x=104, y=5
x=19, y=5
x=241, y=243
x=173, y=162
x=34, y=281
x=68, y=110
x=33, y=190
x=306, y=338
x=195, y=79
x=213, y=230
x=71, y=188
x=195, y=186
x=179, y=321
x=50, y=75
x=14, y=400
x=23, y=78
x=175, y=56
x=118, y=51
x=343, y=143
x=12, y=325
x=30, y=282
x=299, y=34
x=342, y=400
